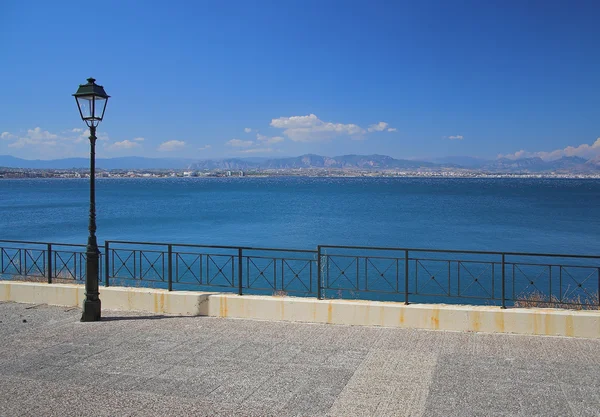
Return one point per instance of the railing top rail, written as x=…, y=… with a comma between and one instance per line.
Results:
x=27, y=242
x=380, y=248
x=190, y=245
x=472, y=252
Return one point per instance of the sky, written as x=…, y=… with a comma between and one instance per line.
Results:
x=200, y=79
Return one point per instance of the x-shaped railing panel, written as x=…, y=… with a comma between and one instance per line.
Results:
x=432, y=278
x=266, y=264
x=297, y=274
x=343, y=271
x=123, y=265
x=580, y=286
x=11, y=260
x=475, y=278
x=65, y=265
x=519, y=275
x=188, y=262
x=212, y=260
x=151, y=259
x=36, y=263
x=380, y=274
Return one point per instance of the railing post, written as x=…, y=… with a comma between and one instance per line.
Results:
x=106, y=274
x=170, y=267
x=49, y=271
x=240, y=274
x=598, y=288
x=503, y=283
x=319, y=274
x=406, y=277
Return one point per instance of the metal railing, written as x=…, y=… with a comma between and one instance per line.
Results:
x=186, y=266
x=427, y=275
x=43, y=261
x=376, y=273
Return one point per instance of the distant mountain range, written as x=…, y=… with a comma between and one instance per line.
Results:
x=571, y=164
x=370, y=162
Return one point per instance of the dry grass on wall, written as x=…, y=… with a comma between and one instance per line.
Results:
x=536, y=299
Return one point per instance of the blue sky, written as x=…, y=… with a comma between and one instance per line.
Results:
x=283, y=78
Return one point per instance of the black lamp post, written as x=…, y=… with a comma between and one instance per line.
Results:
x=91, y=101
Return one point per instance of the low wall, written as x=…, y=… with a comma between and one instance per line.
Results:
x=112, y=298
x=529, y=321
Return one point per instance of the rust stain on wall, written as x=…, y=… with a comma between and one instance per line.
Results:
x=435, y=319
x=223, y=306
x=475, y=319
x=401, y=316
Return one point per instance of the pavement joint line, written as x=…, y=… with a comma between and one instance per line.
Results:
x=35, y=306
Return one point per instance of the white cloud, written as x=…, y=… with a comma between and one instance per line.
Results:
x=39, y=143
x=139, y=139
x=457, y=137
x=205, y=147
x=295, y=122
x=268, y=140
x=517, y=155
x=258, y=150
x=583, y=151
x=237, y=143
x=247, y=130
x=258, y=146
x=311, y=129
x=392, y=129
x=39, y=134
x=35, y=136
x=171, y=145
x=379, y=127
x=24, y=141
x=124, y=144
x=39, y=137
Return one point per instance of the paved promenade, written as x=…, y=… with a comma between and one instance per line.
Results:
x=141, y=365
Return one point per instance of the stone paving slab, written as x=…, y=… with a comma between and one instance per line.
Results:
x=135, y=364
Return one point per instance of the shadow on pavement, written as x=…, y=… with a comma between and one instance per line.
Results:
x=155, y=317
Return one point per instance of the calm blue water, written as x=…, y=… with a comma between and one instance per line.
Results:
x=533, y=215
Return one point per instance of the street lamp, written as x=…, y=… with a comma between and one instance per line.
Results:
x=91, y=100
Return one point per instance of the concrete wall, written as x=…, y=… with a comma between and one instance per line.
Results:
x=531, y=321
x=113, y=298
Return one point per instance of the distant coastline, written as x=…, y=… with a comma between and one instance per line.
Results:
x=317, y=165
x=17, y=173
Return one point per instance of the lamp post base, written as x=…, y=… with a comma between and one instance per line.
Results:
x=91, y=310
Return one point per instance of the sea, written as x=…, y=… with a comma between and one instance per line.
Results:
x=516, y=215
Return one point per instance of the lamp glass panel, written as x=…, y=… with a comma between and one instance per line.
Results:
x=100, y=103
x=85, y=106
